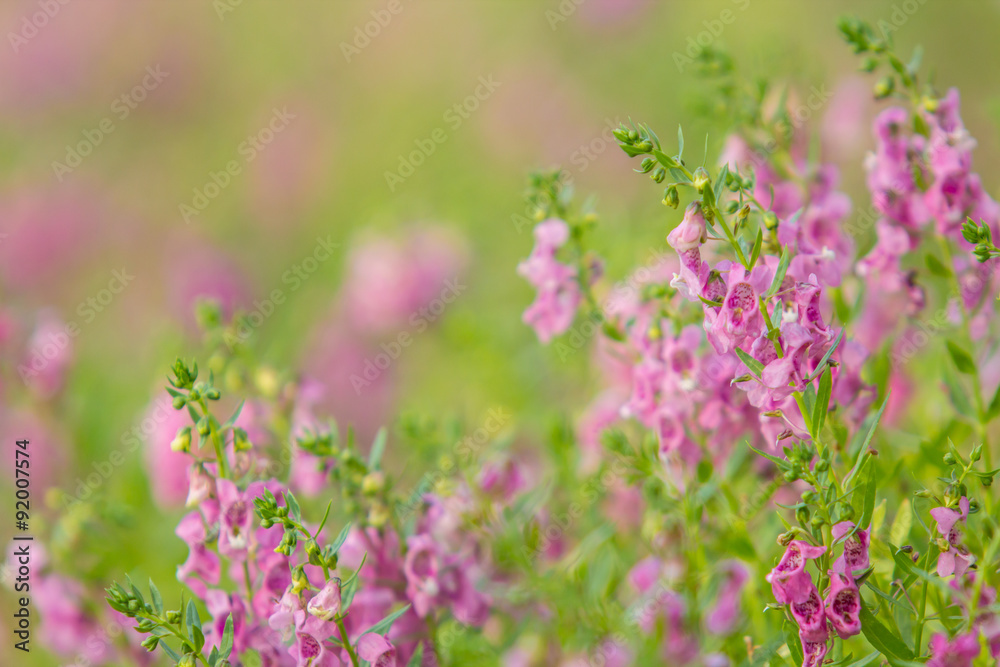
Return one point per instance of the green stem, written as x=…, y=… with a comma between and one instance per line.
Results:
x=919, y=630
x=347, y=642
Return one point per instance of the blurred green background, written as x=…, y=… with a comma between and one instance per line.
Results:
x=360, y=102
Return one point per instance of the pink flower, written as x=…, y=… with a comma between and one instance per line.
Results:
x=740, y=316
x=377, y=650
x=807, y=609
x=390, y=282
x=814, y=648
x=855, y=556
x=786, y=579
x=954, y=557
x=311, y=650
x=959, y=652
x=691, y=233
x=202, y=565
x=236, y=514
x=48, y=357
x=843, y=605
x=559, y=295
x=168, y=470
x=325, y=605
x=721, y=618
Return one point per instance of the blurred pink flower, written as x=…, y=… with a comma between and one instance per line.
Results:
x=168, y=470
x=198, y=271
x=48, y=355
x=404, y=282
x=46, y=231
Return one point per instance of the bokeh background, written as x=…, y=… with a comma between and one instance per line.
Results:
x=115, y=116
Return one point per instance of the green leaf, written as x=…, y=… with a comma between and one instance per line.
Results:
x=935, y=266
x=199, y=638
x=378, y=448
x=781, y=463
x=865, y=661
x=779, y=273
x=226, y=647
x=293, y=506
x=680, y=143
x=858, y=497
x=757, y=245
x=961, y=358
x=750, y=362
x=418, y=656
x=236, y=415
x=826, y=357
x=385, y=624
x=170, y=652
x=793, y=642
x=720, y=183
x=157, y=598
x=822, y=405
x=871, y=432
x=341, y=538
x=191, y=618
x=665, y=159
x=881, y=638
x=869, y=498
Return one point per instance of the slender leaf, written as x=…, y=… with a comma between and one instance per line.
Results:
x=961, y=358
x=385, y=624
x=822, y=405
x=157, y=598
x=750, y=362
x=779, y=273
x=378, y=448
x=881, y=637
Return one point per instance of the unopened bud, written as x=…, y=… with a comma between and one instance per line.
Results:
x=182, y=441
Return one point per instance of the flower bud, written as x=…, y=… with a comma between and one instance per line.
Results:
x=204, y=426
x=701, y=179
x=372, y=483
x=325, y=605
x=150, y=643
x=822, y=465
x=977, y=453
x=179, y=402
x=647, y=165
x=802, y=514
x=949, y=459
x=770, y=221
x=241, y=443
x=659, y=174
x=187, y=661
x=671, y=197
x=182, y=441
x=884, y=88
